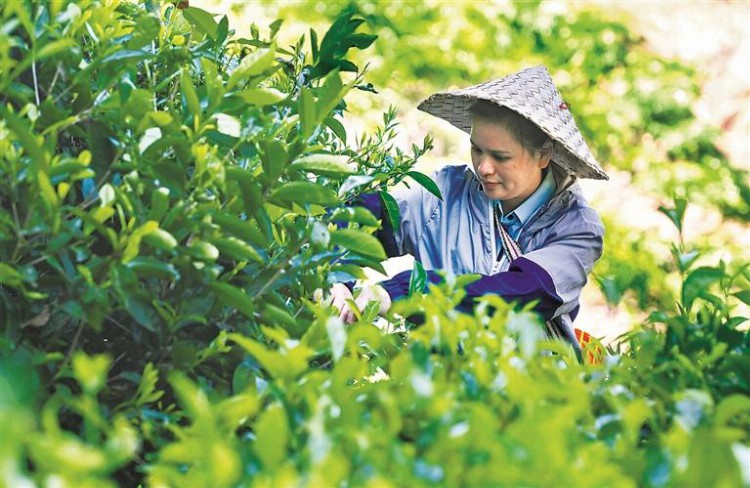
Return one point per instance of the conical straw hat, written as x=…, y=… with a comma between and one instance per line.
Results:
x=532, y=94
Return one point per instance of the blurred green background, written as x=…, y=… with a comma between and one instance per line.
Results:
x=660, y=92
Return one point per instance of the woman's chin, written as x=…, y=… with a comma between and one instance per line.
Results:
x=494, y=193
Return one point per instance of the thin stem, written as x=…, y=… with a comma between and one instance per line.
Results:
x=36, y=82
x=54, y=80
x=70, y=350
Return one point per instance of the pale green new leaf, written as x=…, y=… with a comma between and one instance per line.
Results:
x=325, y=164
x=251, y=65
x=303, y=193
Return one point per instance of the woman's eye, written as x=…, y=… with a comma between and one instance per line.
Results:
x=475, y=149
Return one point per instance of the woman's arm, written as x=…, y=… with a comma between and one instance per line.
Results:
x=552, y=275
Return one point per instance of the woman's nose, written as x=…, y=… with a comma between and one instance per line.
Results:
x=485, y=165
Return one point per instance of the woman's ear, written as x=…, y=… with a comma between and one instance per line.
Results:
x=545, y=154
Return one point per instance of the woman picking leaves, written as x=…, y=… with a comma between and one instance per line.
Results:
x=515, y=216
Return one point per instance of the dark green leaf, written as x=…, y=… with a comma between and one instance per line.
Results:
x=237, y=249
x=359, y=242
x=676, y=214
x=743, y=296
x=126, y=55
x=426, y=182
x=697, y=282
x=418, y=279
x=391, y=209
x=234, y=297
x=146, y=267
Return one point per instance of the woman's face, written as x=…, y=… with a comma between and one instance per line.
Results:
x=506, y=170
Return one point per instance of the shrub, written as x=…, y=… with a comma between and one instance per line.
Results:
x=171, y=198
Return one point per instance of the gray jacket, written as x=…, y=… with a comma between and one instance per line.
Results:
x=561, y=242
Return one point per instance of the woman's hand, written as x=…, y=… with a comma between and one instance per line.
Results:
x=340, y=296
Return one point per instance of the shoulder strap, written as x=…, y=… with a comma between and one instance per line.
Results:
x=510, y=247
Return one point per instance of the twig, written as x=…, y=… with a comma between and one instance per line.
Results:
x=54, y=80
x=36, y=83
x=70, y=350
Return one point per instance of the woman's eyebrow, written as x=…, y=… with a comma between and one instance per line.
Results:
x=500, y=152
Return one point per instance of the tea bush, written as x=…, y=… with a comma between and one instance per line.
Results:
x=172, y=196
x=634, y=107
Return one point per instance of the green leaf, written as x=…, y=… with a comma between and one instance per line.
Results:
x=261, y=97
x=272, y=437
x=697, y=282
x=201, y=20
x=307, y=112
x=337, y=336
x=9, y=276
x=730, y=407
x=249, y=188
x=134, y=240
x=426, y=182
x=147, y=391
x=160, y=239
x=237, y=249
x=205, y=251
x=274, y=158
x=251, y=65
x=133, y=299
x=359, y=242
x=91, y=371
x=743, y=296
x=325, y=164
x=304, y=193
x=146, y=267
x=418, y=279
x=272, y=361
x=192, y=398
x=31, y=144
x=354, y=181
x=391, y=209
x=188, y=91
x=234, y=225
x=48, y=191
x=234, y=297
x=337, y=127
x=359, y=215
x=126, y=55
x=676, y=214
x=279, y=317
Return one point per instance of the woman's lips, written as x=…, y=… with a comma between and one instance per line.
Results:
x=488, y=185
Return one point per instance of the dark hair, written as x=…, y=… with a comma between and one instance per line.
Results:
x=531, y=137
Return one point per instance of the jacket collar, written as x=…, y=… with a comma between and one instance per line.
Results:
x=566, y=190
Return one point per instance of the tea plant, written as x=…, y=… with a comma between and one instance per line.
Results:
x=172, y=196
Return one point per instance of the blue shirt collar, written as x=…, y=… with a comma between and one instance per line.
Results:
x=540, y=197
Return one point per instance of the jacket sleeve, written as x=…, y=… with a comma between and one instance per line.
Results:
x=416, y=206
x=552, y=275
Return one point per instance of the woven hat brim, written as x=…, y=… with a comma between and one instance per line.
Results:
x=532, y=94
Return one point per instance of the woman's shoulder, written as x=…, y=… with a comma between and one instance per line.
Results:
x=570, y=210
x=454, y=177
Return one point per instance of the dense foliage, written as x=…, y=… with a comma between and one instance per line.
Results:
x=172, y=196
x=635, y=108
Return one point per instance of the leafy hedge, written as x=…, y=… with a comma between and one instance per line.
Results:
x=172, y=196
x=634, y=107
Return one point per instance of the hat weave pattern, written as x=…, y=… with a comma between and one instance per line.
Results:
x=532, y=94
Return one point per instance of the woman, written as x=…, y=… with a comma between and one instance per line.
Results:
x=526, y=154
